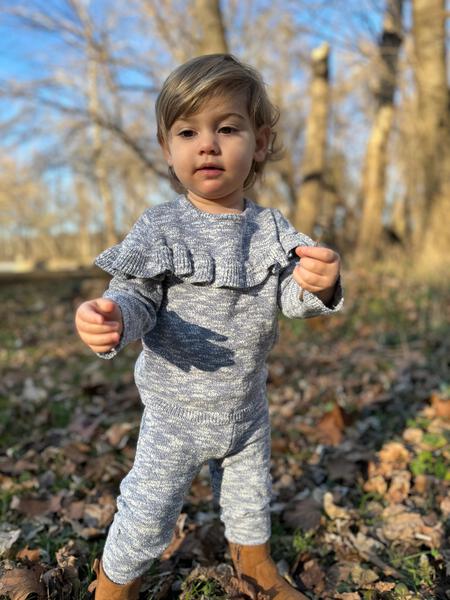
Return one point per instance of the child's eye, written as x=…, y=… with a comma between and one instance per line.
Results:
x=227, y=129
x=186, y=133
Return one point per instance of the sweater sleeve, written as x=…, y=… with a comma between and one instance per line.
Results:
x=295, y=304
x=139, y=301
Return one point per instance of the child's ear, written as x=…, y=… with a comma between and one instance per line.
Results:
x=166, y=153
x=262, y=138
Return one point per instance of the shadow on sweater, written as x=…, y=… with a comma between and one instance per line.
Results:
x=187, y=345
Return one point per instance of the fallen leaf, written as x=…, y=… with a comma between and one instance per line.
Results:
x=31, y=555
x=223, y=574
x=331, y=426
x=333, y=511
x=376, y=485
x=77, y=452
x=399, y=488
x=178, y=536
x=441, y=406
x=33, y=507
x=32, y=393
x=384, y=586
x=9, y=534
x=304, y=514
x=20, y=583
x=422, y=484
x=74, y=510
x=404, y=526
x=445, y=507
x=101, y=513
x=313, y=576
x=117, y=434
x=361, y=576
x=413, y=435
x=393, y=457
x=62, y=582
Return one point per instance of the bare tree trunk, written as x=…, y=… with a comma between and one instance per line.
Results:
x=209, y=17
x=100, y=170
x=84, y=254
x=311, y=189
x=374, y=176
x=432, y=232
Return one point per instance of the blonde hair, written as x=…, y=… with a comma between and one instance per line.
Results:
x=193, y=83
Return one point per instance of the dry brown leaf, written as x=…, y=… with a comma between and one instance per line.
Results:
x=364, y=544
x=303, y=514
x=361, y=576
x=384, y=586
x=9, y=534
x=343, y=468
x=441, y=406
x=422, y=484
x=376, y=485
x=18, y=584
x=445, y=507
x=83, y=426
x=234, y=587
x=70, y=554
x=413, y=435
x=16, y=467
x=33, y=507
x=399, y=488
x=117, y=434
x=393, y=457
x=333, y=511
x=74, y=510
x=62, y=582
x=407, y=527
x=30, y=554
x=77, y=452
x=178, y=536
x=101, y=513
x=331, y=426
x=313, y=577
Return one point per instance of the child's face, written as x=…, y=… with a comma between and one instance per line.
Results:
x=212, y=151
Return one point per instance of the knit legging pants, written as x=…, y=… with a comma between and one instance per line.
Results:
x=173, y=445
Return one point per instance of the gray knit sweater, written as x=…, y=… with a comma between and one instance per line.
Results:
x=202, y=291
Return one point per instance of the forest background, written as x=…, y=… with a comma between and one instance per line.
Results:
x=359, y=403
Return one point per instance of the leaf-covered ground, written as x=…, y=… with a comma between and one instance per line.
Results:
x=361, y=429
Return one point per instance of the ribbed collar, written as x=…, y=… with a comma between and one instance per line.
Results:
x=188, y=207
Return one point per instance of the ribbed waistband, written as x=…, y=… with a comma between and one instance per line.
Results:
x=255, y=407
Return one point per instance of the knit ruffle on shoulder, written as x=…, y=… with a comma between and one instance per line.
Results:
x=154, y=249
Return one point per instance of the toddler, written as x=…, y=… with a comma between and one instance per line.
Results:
x=200, y=280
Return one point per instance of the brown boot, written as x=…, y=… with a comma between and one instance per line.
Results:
x=105, y=589
x=254, y=564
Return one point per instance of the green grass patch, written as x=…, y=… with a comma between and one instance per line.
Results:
x=202, y=589
x=426, y=463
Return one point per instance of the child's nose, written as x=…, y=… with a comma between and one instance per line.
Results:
x=208, y=144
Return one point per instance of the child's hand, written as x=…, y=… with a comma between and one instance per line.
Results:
x=317, y=271
x=99, y=324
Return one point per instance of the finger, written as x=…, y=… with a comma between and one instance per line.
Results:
x=318, y=253
x=105, y=305
x=304, y=280
x=109, y=340
x=308, y=280
x=88, y=313
x=312, y=265
x=95, y=328
x=92, y=312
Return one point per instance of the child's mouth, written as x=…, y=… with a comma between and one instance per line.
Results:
x=211, y=169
